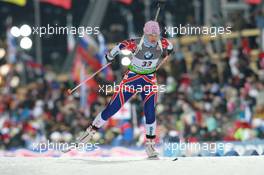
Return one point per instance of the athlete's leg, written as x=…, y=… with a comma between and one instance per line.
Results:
x=122, y=94
x=117, y=101
x=149, y=111
x=149, y=96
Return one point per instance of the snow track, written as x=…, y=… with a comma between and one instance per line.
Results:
x=132, y=166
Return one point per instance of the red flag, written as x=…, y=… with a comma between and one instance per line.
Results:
x=75, y=72
x=127, y=2
x=253, y=1
x=91, y=61
x=229, y=47
x=61, y=3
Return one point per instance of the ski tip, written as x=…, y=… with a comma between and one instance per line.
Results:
x=175, y=159
x=66, y=150
x=153, y=158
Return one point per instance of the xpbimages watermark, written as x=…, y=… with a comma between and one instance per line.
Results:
x=147, y=89
x=210, y=147
x=65, y=30
x=59, y=146
x=212, y=31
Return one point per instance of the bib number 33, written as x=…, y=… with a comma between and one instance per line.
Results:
x=146, y=63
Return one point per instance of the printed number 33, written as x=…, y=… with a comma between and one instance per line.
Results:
x=146, y=63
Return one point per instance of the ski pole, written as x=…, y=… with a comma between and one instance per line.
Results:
x=70, y=91
x=162, y=62
x=160, y=2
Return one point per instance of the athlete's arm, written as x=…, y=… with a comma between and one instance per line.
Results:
x=167, y=47
x=126, y=44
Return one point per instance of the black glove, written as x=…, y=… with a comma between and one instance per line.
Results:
x=108, y=59
x=167, y=52
x=170, y=51
x=111, y=59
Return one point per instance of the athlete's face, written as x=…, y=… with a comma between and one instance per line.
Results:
x=153, y=38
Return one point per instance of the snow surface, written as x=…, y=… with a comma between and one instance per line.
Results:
x=132, y=166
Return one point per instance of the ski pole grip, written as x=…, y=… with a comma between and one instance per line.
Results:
x=161, y=3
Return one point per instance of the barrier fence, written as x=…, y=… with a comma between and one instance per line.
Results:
x=248, y=148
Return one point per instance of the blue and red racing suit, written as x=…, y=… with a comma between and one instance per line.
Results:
x=140, y=78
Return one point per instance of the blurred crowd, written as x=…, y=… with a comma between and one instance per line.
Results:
x=206, y=99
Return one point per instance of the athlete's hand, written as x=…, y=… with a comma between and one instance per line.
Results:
x=167, y=52
x=109, y=58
